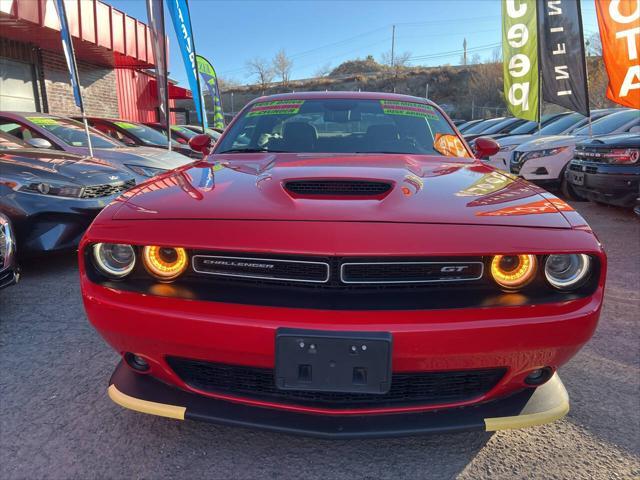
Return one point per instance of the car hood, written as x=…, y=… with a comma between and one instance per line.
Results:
x=620, y=140
x=425, y=189
x=40, y=164
x=552, y=141
x=515, y=139
x=146, y=156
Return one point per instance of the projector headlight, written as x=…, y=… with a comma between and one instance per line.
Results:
x=114, y=260
x=513, y=271
x=567, y=271
x=165, y=263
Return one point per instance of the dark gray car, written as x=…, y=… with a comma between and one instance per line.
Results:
x=42, y=130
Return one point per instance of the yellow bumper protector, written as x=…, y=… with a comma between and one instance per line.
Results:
x=145, y=406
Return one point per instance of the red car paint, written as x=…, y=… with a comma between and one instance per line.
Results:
x=438, y=214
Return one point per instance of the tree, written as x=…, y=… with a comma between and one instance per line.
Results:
x=593, y=46
x=282, y=66
x=227, y=83
x=324, y=70
x=261, y=69
x=399, y=60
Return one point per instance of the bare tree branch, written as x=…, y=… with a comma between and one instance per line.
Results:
x=282, y=66
x=260, y=68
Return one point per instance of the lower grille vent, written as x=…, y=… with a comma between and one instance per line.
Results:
x=422, y=388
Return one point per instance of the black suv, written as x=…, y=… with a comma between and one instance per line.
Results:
x=607, y=169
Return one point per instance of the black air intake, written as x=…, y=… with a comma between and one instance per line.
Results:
x=337, y=188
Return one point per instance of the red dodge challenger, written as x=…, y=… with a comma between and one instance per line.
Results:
x=339, y=265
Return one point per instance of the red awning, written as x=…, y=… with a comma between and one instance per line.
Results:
x=175, y=92
x=102, y=35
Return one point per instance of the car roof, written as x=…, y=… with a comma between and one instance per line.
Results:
x=343, y=95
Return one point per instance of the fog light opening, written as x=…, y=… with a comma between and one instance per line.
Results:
x=539, y=376
x=136, y=362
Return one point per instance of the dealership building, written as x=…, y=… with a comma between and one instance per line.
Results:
x=115, y=61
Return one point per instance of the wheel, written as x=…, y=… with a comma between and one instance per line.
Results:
x=569, y=192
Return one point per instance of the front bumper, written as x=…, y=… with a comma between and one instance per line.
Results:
x=517, y=339
x=526, y=408
x=46, y=224
x=612, y=184
x=542, y=169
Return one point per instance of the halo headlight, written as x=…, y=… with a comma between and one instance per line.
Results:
x=567, y=271
x=165, y=263
x=513, y=271
x=114, y=260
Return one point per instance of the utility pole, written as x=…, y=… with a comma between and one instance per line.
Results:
x=426, y=91
x=464, y=55
x=393, y=62
x=473, y=101
x=393, y=45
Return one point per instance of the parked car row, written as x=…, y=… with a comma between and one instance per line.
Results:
x=596, y=161
x=51, y=189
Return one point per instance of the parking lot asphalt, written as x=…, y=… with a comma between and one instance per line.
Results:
x=57, y=422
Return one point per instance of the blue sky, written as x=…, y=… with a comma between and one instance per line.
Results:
x=317, y=33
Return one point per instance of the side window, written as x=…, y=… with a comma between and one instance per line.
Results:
x=113, y=132
x=23, y=132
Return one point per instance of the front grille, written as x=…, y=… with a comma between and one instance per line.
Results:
x=590, y=169
x=598, y=155
x=423, y=388
x=106, y=190
x=262, y=268
x=337, y=188
x=410, y=272
x=515, y=163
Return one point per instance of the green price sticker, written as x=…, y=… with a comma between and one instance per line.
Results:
x=411, y=109
x=278, y=107
x=43, y=120
x=126, y=125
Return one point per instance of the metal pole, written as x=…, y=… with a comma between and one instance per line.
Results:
x=473, y=101
x=393, y=45
x=86, y=130
x=233, y=108
x=426, y=92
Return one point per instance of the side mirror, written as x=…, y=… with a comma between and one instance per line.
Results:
x=201, y=143
x=485, y=147
x=39, y=143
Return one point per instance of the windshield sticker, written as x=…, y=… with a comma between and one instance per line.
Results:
x=126, y=125
x=43, y=120
x=278, y=107
x=450, y=145
x=412, y=109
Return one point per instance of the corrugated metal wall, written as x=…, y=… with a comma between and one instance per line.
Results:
x=137, y=100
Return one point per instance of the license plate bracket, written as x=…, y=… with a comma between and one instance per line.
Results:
x=577, y=178
x=327, y=361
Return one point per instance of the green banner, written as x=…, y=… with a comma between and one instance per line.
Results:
x=520, y=54
x=210, y=79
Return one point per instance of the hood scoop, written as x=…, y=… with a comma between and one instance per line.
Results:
x=343, y=188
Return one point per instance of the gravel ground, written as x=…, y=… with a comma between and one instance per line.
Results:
x=57, y=422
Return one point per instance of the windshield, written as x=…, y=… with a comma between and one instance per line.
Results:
x=72, y=133
x=483, y=126
x=342, y=126
x=610, y=123
x=184, y=131
x=503, y=125
x=9, y=142
x=561, y=125
x=145, y=134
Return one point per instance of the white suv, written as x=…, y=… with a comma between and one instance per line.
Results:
x=543, y=160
